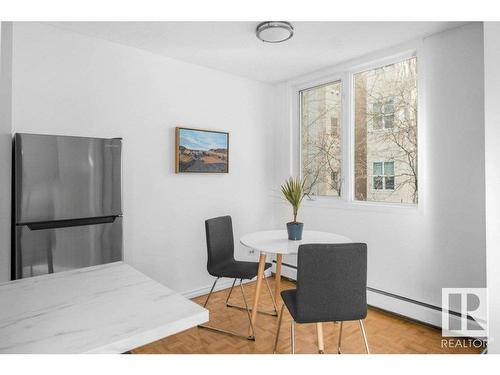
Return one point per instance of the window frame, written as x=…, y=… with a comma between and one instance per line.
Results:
x=345, y=72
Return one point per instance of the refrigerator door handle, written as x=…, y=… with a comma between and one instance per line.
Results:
x=70, y=222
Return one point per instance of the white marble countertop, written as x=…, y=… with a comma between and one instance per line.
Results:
x=110, y=308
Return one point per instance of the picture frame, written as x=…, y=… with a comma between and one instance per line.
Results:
x=201, y=151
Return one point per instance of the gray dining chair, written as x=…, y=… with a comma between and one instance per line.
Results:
x=221, y=263
x=331, y=287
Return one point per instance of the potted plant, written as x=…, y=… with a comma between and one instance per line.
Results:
x=293, y=191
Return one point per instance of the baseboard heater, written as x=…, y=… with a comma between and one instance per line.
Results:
x=406, y=307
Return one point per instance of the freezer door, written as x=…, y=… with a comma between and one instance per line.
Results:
x=59, y=177
x=40, y=250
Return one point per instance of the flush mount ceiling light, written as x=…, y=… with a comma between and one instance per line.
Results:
x=274, y=31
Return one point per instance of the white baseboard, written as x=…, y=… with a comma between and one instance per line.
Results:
x=431, y=315
x=286, y=271
x=407, y=309
x=221, y=284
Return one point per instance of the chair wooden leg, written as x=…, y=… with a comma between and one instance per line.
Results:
x=292, y=336
x=321, y=343
x=339, y=343
x=275, y=348
x=364, y=336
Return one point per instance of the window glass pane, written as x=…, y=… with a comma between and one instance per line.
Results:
x=334, y=176
x=389, y=168
x=389, y=107
x=377, y=107
x=321, y=138
x=377, y=169
x=389, y=113
x=396, y=139
x=389, y=183
x=377, y=183
x=377, y=115
x=389, y=121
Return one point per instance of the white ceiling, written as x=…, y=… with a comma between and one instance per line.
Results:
x=233, y=47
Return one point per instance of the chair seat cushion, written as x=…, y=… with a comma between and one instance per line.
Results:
x=238, y=269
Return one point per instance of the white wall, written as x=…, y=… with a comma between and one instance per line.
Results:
x=5, y=146
x=66, y=83
x=415, y=252
x=492, y=153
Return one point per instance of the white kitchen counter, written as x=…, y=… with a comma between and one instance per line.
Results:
x=110, y=308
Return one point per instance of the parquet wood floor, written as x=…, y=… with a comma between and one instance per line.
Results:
x=386, y=332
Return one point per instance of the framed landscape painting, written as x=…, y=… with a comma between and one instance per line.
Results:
x=201, y=151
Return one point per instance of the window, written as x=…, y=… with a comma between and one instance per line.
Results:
x=382, y=117
x=383, y=114
x=321, y=140
x=385, y=128
x=383, y=175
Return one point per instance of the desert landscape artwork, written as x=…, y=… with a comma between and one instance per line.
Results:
x=201, y=151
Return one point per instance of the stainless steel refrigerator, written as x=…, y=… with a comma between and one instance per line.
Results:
x=67, y=206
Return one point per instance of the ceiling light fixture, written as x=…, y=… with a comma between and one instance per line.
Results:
x=274, y=31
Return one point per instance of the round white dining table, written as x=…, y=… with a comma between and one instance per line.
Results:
x=277, y=242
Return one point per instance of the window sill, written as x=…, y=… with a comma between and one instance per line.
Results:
x=342, y=204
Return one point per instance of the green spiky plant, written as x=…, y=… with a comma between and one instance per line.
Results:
x=293, y=191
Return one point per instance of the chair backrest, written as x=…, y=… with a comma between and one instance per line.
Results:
x=331, y=282
x=220, y=242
